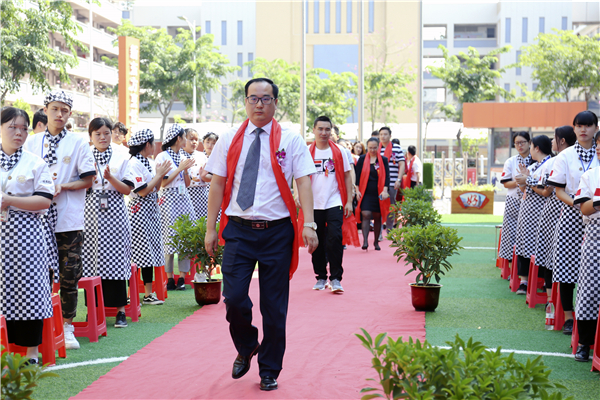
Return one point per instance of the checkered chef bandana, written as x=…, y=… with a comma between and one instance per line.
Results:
x=172, y=132
x=102, y=158
x=185, y=154
x=50, y=156
x=140, y=137
x=8, y=162
x=144, y=161
x=525, y=161
x=59, y=95
x=585, y=155
x=174, y=156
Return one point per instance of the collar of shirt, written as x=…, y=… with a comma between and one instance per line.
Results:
x=251, y=127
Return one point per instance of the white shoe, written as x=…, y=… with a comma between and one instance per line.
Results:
x=71, y=342
x=320, y=285
x=336, y=286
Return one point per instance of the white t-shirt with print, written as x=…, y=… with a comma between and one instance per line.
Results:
x=324, y=183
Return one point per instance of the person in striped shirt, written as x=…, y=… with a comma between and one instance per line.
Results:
x=393, y=152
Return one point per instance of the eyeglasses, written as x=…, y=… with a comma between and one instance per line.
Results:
x=14, y=128
x=265, y=100
x=521, y=143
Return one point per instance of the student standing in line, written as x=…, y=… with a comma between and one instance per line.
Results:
x=195, y=189
x=174, y=200
x=208, y=141
x=564, y=137
x=513, y=197
x=414, y=167
x=531, y=206
x=144, y=214
x=27, y=191
x=587, y=304
x=106, y=222
x=566, y=173
x=71, y=164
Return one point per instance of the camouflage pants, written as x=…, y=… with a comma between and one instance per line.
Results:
x=70, y=269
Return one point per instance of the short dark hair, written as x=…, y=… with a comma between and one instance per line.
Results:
x=40, y=116
x=98, y=123
x=587, y=118
x=523, y=134
x=373, y=139
x=191, y=130
x=544, y=143
x=375, y=134
x=121, y=127
x=565, y=132
x=412, y=150
x=385, y=127
x=396, y=140
x=10, y=113
x=270, y=82
x=337, y=130
x=323, y=118
x=210, y=135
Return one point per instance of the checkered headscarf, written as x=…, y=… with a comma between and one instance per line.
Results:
x=102, y=158
x=175, y=156
x=525, y=161
x=59, y=95
x=140, y=137
x=585, y=155
x=173, y=132
x=50, y=156
x=8, y=162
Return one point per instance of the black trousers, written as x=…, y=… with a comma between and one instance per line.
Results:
x=587, y=331
x=329, y=232
x=272, y=249
x=26, y=333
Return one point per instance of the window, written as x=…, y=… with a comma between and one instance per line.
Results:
x=208, y=99
x=306, y=12
x=507, y=87
x=327, y=16
x=534, y=86
x=316, y=14
x=434, y=33
x=542, y=25
x=474, y=31
x=507, y=33
x=434, y=95
x=338, y=16
x=371, y=16
x=207, y=27
x=349, y=16
x=223, y=33
x=524, y=31
x=432, y=62
x=564, y=23
x=240, y=63
x=240, y=32
x=518, y=69
x=224, y=96
x=250, y=58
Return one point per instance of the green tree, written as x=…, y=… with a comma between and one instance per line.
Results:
x=562, y=63
x=25, y=46
x=236, y=102
x=334, y=96
x=23, y=105
x=167, y=67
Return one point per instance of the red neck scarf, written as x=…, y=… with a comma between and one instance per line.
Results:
x=233, y=157
x=384, y=205
x=388, y=151
x=349, y=232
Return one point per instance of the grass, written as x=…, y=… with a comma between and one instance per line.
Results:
x=471, y=219
x=475, y=302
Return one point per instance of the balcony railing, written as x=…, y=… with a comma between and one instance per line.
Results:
x=433, y=44
x=100, y=39
x=477, y=43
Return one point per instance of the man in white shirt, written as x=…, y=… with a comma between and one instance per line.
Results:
x=414, y=166
x=40, y=121
x=71, y=165
x=118, y=137
x=259, y=214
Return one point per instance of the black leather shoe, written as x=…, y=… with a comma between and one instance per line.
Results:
x=568, y=327
x=241, y=365
x=171, y=284
x=268, y=383
x=583, y=353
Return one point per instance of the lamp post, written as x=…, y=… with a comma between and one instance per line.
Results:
x=192, y=27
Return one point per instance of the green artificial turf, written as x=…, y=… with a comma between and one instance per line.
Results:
x=475, y=302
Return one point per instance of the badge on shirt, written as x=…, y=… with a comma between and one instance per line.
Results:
x=181, y=188
x=21, y=179
x=66, y=160
x=4, y=215
x=138, y=179
x=103, y=202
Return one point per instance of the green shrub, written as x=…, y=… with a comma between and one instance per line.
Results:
x=419, y=192
x=416, y=212
x=18, y=378
x=426, y=248
x=428, y=175
x=415, y=370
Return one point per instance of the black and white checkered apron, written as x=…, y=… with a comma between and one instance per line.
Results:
x=546, y=231
x=49, y=221
x=566, y=251
x=199, y=198
x=529, y=219
x=509, y=227
x=588, y=284
x=24, y=282
x=107, y=243
x=172, y=205
x=146, y=237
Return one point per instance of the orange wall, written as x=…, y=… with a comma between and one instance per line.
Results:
x=520, y=115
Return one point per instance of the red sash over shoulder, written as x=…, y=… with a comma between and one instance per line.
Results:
x=384, y=205
x=349, y=231
x=233, y=157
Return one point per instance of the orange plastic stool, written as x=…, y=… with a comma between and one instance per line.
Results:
x=498, y=259
x=515, y=281
x=160, y=289
x=596, y=357
x=134, y=309
x=96, y=319
x=575, y=337
x=3, y=334
x=559, y=312
x=505, y=267
x=534, y=298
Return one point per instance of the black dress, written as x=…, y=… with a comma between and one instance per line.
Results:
x=370, y=200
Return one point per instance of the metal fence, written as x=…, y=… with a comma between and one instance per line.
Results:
x=450, y=172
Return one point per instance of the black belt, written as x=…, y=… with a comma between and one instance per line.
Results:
x=259, y=224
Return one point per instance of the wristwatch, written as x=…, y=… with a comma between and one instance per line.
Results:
x=311, y=225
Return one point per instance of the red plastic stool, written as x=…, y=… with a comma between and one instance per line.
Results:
x=559, y=312
x=515, y=281
x=534, y=298
x=96, y=319
x=596, y=357
x=160, y=289
x=134, y=309
x=3, y=334
x=55, y=287
x=505, y=267
x=575, y=337
x=498, y=259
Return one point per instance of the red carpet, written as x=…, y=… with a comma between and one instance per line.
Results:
x=323, y=360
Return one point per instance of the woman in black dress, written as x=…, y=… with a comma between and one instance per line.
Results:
x=372, y=194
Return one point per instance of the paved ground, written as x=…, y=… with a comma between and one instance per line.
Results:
x=443, y=206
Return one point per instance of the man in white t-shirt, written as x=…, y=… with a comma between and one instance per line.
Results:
x=329, y=211
x=414, y=166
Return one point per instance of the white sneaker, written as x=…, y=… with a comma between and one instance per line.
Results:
x=71, y=342
x=152, y=300
x=336, y=286
x=320, y=285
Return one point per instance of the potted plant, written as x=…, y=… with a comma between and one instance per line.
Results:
x=472, y=199
x=188, y=242
x=19, y=378
x=427, y=249
x=415, y=370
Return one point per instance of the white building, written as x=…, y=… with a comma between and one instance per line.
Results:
x=88, y=99
x=232, y=23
